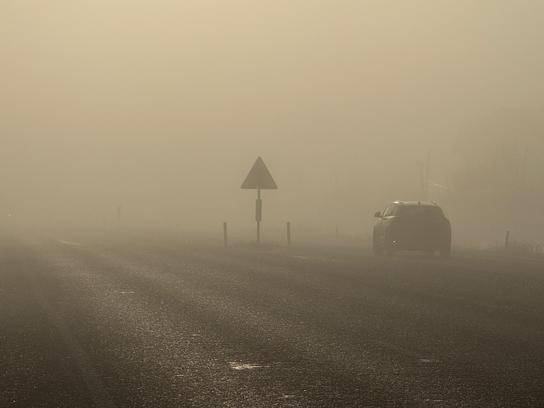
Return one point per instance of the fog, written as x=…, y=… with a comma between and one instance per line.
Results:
x=162, y=107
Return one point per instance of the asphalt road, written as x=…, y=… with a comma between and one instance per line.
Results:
x=160, y=321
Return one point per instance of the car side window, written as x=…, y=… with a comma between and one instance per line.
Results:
x=389, y=211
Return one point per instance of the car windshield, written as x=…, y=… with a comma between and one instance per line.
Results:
x=421, y=211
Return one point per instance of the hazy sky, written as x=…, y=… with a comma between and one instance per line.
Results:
x=164, y=105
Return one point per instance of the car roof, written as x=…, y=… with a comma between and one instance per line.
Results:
x=416, y=203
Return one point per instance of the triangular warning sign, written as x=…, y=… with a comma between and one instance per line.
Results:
x=259, y=177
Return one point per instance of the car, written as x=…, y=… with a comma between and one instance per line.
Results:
x=412, y=225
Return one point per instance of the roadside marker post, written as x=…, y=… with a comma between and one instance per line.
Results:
x=225, y=235
x=289, y=234
x=259, y=178
x=507, y=240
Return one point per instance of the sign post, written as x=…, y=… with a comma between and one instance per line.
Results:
x=259, y=178
x=259, y=214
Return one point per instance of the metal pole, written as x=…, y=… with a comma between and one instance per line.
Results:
x=422, y=180
x=225, y=235
x=288, y=234
x=258, y=215
x=427, y=174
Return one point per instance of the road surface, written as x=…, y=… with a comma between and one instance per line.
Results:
x=140, y=320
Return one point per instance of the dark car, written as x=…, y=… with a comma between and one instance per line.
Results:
x=412, y=225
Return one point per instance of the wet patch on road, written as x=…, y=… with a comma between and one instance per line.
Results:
x=238, y=366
